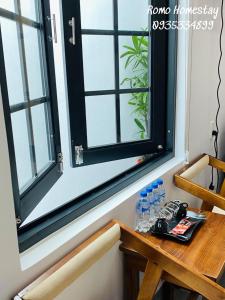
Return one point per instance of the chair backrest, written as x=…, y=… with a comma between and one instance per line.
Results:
x=67, y=270
x=183, y=180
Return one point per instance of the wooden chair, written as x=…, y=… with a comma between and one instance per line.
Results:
x=183, y=180
x=67, y=270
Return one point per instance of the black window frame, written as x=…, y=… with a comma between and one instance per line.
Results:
x=26, y=201
x=77, y=93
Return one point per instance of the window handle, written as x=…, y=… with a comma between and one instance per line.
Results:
x=72, y=39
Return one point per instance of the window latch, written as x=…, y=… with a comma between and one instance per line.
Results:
x=60, y=161
x=72, y=39
x=79, y=155
x=53, y=20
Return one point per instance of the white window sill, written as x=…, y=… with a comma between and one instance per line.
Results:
x=59, y=238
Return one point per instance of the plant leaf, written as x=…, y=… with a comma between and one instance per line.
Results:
x=126, y=53
x=135, y=42
x=139, y=124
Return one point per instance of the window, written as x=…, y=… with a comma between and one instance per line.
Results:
x=28, y=89
x=121, y=91
x=122, y=70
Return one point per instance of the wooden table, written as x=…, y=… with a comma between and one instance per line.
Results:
x=205, y=253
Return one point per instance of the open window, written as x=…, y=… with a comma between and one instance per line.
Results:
x=121, y=79
x=29, y=100
x=117, y=79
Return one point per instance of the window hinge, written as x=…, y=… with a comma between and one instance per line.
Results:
x=79, y=155
x=60, y=161
x=53, y=20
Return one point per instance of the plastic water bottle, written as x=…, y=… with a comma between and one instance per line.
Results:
x=142, y=213
x=149, y=194
x=156, y=199
x=161, y=191
x=152, y=217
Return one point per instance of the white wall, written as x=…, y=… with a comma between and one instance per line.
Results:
x=204, y=80
x=202, y=96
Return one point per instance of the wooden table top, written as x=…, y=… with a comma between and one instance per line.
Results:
x=205, y=252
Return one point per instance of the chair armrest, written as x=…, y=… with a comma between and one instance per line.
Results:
x=183, y=180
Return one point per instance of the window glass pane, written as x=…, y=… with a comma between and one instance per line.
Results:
x=41, y=136
x=7, y=4
x=12, y=61
x=28, y=8
x=101, y=120
x=21, y=145
x=96, y=14
x=134, y=116
x=33, y=62
x=133, y=15
x=134, y=61
x=98, y=60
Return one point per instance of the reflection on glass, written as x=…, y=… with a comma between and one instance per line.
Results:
x=7, y=4
x=41, y=136
x=98, y=61
x=101, y=120
x=12, y=61
x=21, y=145
x=134, y=61
x=134, y=117
x=96, y=14
x=133, y=15
x=28, y=9
x=33, y=62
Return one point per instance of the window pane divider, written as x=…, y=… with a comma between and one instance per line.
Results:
x=117, y=66
x=24, y=105
x=18, y=18
x=120, y=91
x=114, y=32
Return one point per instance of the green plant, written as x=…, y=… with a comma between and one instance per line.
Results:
x=137, y=62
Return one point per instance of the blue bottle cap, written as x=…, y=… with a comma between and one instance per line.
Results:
x=155, y=185
x=149, y=189
x=160, y=181
x=143, y=194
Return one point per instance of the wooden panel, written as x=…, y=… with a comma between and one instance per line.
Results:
x=172, y=265
x=152, y=276
x=137, y=262
x=131, y=278
x=199, y=191
x=222, y=191
x=204, y=253
x=206, y=206
x=217, y=163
